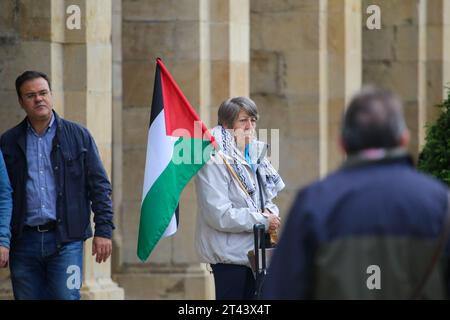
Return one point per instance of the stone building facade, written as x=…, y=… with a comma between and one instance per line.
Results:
x=300, y=60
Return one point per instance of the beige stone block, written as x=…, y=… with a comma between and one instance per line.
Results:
x=239, y=79
x=58, y=102
x=5, y=285
x=183, y=241
x=239, y=43
x=187, y=40
x=27, y=55
x=77, y=36
x=98, y=21
x=300, y=163
x=165, y=285
x=10, y=111
x=75, y=67
x=284, y=201
x=273, y=112
x=133, y=171
x=8, y=9
x=435, y=12
x=160, y=10
x=435, y=43
x=267, y=71
x=239, y=11
x=378, y=45
x=99, y=116
x=268, y=6
x=290, y=31
x=220, y=81
x=392, y=76
x=138, y=79
x=436, y=83
x=148, y=40
x=394, y=12
x=220, y=10
x=99, y=64
x=220, y=41
x=35, y=21
x=407, y=43
x=75, y=103
x=186, y=74
x=116, y=37
x=302, y=73
x=401, y=71
x=57, y=66
x=117, y=84
x=58, y=21
x=135, y=126
x=105, y=151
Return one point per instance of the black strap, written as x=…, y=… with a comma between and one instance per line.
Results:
x=261, y=196
x=437, y=253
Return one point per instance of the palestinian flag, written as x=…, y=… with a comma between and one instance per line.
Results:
x=178, y=145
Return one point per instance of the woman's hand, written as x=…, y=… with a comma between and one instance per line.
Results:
x=274, y=221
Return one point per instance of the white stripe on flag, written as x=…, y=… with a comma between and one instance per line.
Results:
x=172, y=227
x=159, y=152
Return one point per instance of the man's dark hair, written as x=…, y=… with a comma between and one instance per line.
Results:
x=29, y=75
x=373, y=119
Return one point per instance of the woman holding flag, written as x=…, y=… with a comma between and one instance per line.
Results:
x=235, y=190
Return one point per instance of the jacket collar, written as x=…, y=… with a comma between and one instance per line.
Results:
x=378, y=156
x=22, y=139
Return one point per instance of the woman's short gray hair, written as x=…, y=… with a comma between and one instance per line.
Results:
x=229, y=110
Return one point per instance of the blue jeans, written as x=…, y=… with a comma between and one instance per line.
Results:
x=39, y=270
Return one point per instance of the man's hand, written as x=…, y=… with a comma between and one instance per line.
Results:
x=102, y=247
x=4, y=257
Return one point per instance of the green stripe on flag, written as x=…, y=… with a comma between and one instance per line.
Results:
x=162, y=199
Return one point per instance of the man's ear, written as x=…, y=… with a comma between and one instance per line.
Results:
x=404, y=139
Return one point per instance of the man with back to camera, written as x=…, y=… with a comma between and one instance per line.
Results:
x=57, y=177
x=369, y=230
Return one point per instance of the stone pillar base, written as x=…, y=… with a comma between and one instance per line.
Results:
x=191, y=283
x=102, y=289
x=6, y=292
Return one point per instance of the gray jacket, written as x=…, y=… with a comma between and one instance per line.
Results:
x=225, y=219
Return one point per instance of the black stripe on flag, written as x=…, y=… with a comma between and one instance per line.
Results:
x=177, y=214
x=157, y=101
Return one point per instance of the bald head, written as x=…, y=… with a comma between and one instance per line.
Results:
x=373, y=119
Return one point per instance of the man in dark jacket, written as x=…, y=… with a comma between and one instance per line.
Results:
x=57, y=177
x=371, y=229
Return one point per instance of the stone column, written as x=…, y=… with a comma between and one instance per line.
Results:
x=305, y=62
x=434, y=60
x=26, y=42
x=79, y=65
x=410, y=55
x=88, y=100
x=117, y=151
x=204, y=44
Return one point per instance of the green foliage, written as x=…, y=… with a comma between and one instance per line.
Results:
x=435, y=156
